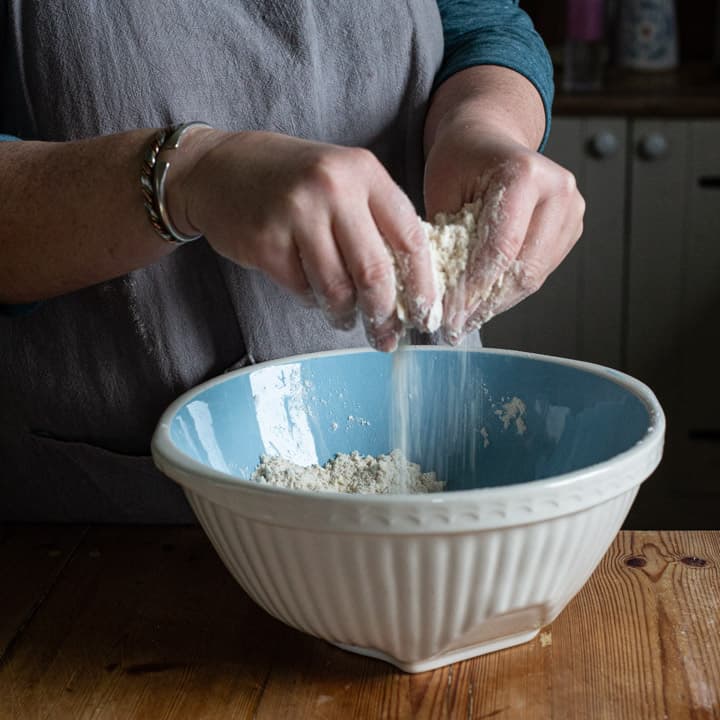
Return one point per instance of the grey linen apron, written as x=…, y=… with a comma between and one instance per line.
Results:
x=84, y=378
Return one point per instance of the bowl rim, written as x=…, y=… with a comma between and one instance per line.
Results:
x=169, y=458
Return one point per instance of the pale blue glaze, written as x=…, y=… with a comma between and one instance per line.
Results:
x=309, y=409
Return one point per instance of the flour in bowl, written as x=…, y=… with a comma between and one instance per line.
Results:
x=513, y=412
x=354, y=473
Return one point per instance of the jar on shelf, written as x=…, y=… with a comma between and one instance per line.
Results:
x=648, y=35
x=585, y=50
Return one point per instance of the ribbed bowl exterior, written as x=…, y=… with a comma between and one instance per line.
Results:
x=419, y=580
x=417, y=598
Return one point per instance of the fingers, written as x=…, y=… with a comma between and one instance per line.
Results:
x=377, y=238
x=454, y=312
x=324, y=221
x=297, y=280
x=505, y=209
x=400, y=227
x=505, y=213
x=554, y=229
x=370, y=266
x=344, y=255
x=281, y=261
x=530, y=216
x=332, y=287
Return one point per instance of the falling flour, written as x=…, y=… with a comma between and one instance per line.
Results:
x=353, y=473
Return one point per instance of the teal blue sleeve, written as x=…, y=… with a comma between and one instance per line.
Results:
x=495, y=32
x=14, y=310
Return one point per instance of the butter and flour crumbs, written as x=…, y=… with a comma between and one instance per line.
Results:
x=389, y=474
x=513, y=412
x=354, y=473
x=450, y=238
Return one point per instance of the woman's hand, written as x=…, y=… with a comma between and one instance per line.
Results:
x=320, y=220
x=530, y=209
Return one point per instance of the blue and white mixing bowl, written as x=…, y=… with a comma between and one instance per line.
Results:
x=542, y=458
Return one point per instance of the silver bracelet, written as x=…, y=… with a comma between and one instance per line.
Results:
x=154, y=174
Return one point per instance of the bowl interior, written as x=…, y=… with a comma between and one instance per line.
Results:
x=464, y=420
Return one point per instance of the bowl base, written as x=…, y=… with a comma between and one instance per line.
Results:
x=447, y=658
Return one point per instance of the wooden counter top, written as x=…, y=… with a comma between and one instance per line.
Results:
x=689, y=91
x=146, y=623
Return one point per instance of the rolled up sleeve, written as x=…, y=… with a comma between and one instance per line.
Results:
x=496, y=32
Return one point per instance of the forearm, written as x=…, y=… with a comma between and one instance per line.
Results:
x=497, y=98
x=482, y=134
x=72, y=215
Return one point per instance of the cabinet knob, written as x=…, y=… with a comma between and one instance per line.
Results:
x=604, y=144
x=653, y=146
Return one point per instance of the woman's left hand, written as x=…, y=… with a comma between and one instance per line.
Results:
x=530, y=217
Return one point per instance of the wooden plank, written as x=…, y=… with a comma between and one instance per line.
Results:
x=31, y=560
x=146, y=623
x=610, y=655
x=329, y=684
x=641, y=640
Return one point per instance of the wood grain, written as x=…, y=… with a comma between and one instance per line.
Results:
x=641, y=640
x=146, y=623
x=31, y=560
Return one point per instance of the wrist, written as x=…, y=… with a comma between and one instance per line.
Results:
x=475, y=116
x=196, y=143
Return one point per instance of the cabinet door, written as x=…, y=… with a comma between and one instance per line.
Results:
x=578, y=312
x=699, y=402
x=673, y=335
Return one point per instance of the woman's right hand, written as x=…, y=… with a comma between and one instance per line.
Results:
x=319, y=219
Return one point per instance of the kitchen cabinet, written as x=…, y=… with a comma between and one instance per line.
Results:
x=641, y=291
